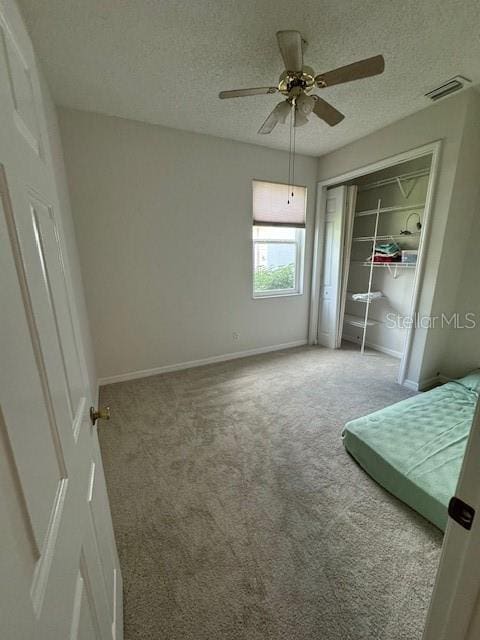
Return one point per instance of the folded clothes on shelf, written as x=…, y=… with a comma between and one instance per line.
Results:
x=388, y=249
x=378, y=257
x=389, y=252
x=365, y=297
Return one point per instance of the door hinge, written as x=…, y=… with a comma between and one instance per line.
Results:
x=461, y=512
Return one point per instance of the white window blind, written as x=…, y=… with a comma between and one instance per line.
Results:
x=273, y=205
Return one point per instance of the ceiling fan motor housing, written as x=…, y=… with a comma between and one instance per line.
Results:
x=304, y=80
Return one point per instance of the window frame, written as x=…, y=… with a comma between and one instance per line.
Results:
x=299, y=243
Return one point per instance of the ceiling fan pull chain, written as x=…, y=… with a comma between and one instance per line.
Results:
x=293, y=154
x=291, y=129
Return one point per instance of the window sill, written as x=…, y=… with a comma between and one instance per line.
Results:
x=268, y=295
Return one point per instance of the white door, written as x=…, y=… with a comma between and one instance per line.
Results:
x=59, y=572
x=331, y=270
x=454, y=612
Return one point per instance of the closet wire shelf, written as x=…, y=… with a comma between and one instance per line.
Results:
x=400, y=236
x=403, y=177
x=412, y=178
x=406, y=207
x=376, y=265
x=358, y=321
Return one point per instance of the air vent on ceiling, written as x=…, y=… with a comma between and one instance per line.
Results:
x=447, y=88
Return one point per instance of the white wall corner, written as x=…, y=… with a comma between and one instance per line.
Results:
x=426, y=383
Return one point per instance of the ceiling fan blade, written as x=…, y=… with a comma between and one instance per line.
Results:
x=291, y=48
x=279, y=114
x=240, y=93
x=325, y=111
x=355, y=71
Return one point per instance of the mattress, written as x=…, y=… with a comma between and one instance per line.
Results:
x=415, y=448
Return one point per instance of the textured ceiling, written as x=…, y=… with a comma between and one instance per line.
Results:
x=164, y=61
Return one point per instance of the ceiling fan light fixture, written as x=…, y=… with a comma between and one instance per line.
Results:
x=305, y=104
x=300, y=118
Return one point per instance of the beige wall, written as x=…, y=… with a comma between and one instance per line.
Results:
x=162, y=221
x=444, y=121
x=163, y=224
x=463, y=346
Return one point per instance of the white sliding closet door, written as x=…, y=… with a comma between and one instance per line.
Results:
x=331, y=272
x=347, y=246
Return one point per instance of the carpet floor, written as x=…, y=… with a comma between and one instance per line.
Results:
x=239, y=515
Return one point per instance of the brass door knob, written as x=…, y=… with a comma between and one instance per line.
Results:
x=101, y=414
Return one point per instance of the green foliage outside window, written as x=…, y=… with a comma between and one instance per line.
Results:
x=272, y=278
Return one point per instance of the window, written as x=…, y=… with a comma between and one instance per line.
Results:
x=278, y=239
x=277, y=260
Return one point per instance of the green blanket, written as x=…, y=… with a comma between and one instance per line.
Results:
x=415, y=448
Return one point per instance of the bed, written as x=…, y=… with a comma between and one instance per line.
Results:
x=415, y=448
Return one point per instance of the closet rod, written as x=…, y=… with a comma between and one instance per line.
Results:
x=412, y=175
x=373, y=212
x=403, y=176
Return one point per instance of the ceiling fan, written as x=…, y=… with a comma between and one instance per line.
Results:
x=298, y=80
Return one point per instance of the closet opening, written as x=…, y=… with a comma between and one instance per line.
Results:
x=371, y=232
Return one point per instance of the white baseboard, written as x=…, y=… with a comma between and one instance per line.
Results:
x=428, y=383
x=410, y=384
x=376, y=347
x=434, y=381
x=133, y=375
x=425, y=385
